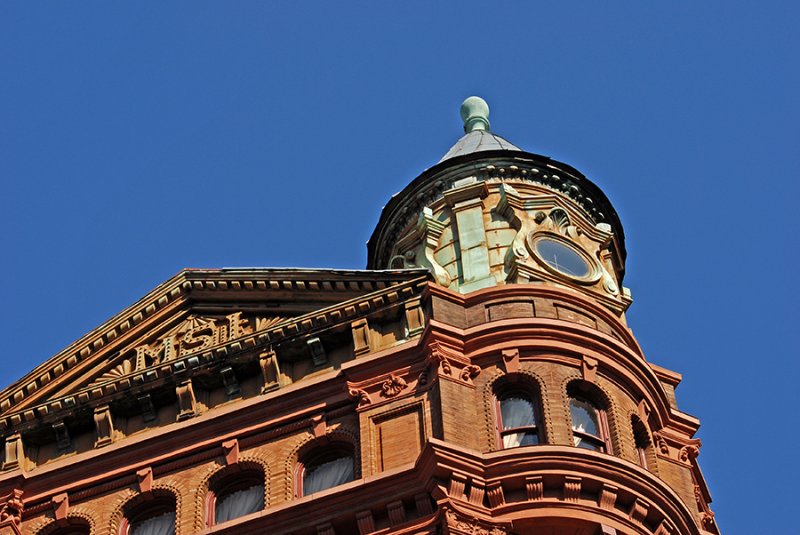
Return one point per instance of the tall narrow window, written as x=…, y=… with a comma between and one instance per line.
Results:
x=589, y=428
x=326, y=468
x=641, y=439
x=516, y=418
x=238, y=494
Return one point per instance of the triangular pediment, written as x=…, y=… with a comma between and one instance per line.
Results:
x=196, y=312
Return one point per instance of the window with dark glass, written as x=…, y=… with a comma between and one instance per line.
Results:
x=237, y=495
x=156, y=517
x=326, y=468
x=641, y=440
x=589, y=428
x=516, y=419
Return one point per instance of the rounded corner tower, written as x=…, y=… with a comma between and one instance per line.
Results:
x=569, y=428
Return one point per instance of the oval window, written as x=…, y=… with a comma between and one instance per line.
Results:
x=562, y=258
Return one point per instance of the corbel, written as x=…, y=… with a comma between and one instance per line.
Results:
x=103, y=425
x=229, y=381
x=317, y=351
x=458, y=483
x=319, y=426
x=608, y=497
x=62, y=435
x=397, y=513
x=511, y=360
x=325, y=529
x=14, y=452
x=665, y=528
x=60, y=503
x=476, y=492
x=186, y=400
x=270, y=372
x=589, y=369
x=365, y=522
x=360, y=329
x=423, y=503
x=147, y=408
x=415, y=316
x=144, y=478
x=534, y=488
x=494, y=491
x=638, y=510
x=572, y=488
x=230, y=449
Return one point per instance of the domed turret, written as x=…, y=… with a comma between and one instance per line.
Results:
x=489, y=213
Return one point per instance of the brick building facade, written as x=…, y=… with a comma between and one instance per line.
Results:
x=477, y=378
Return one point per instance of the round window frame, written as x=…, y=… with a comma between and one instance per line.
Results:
x=594, y=269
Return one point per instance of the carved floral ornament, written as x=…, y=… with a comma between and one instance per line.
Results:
x=461, y=524
x=194, y=334
x=393, y=386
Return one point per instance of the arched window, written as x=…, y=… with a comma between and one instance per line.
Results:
x=75, y=526
x=517, y=421
x=151, y=517
x=641, y=439
x=237, y=494
x=326, y=467
x=589, y=427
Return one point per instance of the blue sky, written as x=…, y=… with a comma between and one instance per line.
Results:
x=137, y=139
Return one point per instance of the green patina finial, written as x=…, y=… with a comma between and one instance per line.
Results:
x=475, y=114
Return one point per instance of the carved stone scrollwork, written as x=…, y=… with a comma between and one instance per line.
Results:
x=688, y=453
x=393, y=386
x=470, y=372
x=662, y=444
x=459, y=524
x=360, y=396
x=438, y=359
x=11, y=508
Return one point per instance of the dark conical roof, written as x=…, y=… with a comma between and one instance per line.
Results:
x=478, y=141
